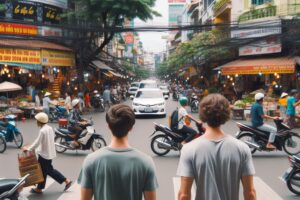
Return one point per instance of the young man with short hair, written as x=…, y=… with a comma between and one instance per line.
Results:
x=216, y=161
x=118, y=171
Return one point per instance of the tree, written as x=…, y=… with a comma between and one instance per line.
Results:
x=201, y=51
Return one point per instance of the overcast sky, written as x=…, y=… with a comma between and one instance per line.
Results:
x=152, y=40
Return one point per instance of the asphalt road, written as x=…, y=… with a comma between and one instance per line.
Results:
x=269, y=166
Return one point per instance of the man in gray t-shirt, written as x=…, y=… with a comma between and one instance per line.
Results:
x=216, y=161
x=118, y=171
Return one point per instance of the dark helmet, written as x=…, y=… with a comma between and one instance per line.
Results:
x=293, y=91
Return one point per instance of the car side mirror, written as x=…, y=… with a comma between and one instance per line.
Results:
x=131, y=97
x=166, y=97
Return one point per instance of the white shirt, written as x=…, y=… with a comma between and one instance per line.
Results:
x=181, y=117
x=44, y=143
x=68, y=102
x=46, y=102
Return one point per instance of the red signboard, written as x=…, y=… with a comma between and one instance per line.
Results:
x=129, y=38
x=177, y=1
x=18, y=29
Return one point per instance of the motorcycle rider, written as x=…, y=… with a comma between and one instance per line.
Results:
x=291, y=107
x=257, y=116
x=46, y=103
x=75, y=121
x=183, y=121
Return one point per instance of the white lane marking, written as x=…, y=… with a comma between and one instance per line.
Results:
x=263, y=191
x=26, y=191
x=72, y=193
x=176, y=183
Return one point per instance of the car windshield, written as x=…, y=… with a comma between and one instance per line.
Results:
x=148, y=85
x=134, y=85
x=149, y=94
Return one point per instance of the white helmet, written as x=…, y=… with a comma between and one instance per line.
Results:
x=259, y=96
x=95, y=91
x=42, y=117
x=47, y=94
x=75, y=102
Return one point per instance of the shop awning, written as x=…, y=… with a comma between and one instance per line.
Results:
x=32, y=44
x=115, y=74
x=24, y=65
x=279, y=65
x=101, y=65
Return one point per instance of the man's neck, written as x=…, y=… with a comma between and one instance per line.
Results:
x=119, y=143
x=213, y=133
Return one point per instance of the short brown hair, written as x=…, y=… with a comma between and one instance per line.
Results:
x=214, y=110
x=120, y=119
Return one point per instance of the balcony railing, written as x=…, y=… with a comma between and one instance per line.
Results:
x=258, y=13
x=219, y=4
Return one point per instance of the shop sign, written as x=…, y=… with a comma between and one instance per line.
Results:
x=24, y=11
x=57, y=58
x=51, y=14
x=18, y=29
x=266, y=46
x=177, y=1
x=58, y=3
x=129, y=38
x=50, y=31
x=20, y=56
x=280, y=69
x=255, y=30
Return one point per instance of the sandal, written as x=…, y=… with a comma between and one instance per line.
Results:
x=68, y=185
x=33, y=191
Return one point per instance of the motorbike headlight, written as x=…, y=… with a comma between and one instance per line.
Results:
x=135, y=104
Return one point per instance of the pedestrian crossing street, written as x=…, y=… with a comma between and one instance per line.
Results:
x=263, y=191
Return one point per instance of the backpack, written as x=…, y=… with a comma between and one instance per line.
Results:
x=174, y=120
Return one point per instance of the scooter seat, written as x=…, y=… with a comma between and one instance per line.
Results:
x=7, y=184
x=64, y=131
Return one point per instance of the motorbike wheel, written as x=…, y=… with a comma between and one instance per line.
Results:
x=2, y=145
x=292, y=145
x=293, y=182
x=155, y=146
x=247, y=137
x=97, y=144
x=194, y=108
x=18, y=139
x=60, y=140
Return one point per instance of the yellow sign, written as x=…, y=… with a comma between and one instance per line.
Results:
x=58, y=58
x=20, y=56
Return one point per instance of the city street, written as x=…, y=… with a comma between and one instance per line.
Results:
x=269, y=166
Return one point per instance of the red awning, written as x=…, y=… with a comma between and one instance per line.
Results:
x=279, y=65
x=32, y=44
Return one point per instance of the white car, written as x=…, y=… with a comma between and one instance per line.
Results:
x=149, y=101
x=148, y=84
x=133, y=88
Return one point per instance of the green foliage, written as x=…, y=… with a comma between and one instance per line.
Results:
x=202, y=48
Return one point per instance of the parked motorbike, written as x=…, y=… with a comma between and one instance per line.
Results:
x=98, y=102
x=10, y=131
x=194, y=103
x=57, y=112
x=2, y=143
x=10, y=188
x=257, y=139
x=175, y=95
x=88, y=139
x=292, y=175
x=168, y=140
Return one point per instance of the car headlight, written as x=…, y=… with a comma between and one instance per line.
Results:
x=161, y=104
x=135, y=104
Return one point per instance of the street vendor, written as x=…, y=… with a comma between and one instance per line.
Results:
x=46, y=103
x=291, y=108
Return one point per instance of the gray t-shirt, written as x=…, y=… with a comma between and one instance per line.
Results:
x=115, y=174
x=216, y=166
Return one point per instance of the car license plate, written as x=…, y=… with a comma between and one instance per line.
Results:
x=286, y=174
x=148, y=110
